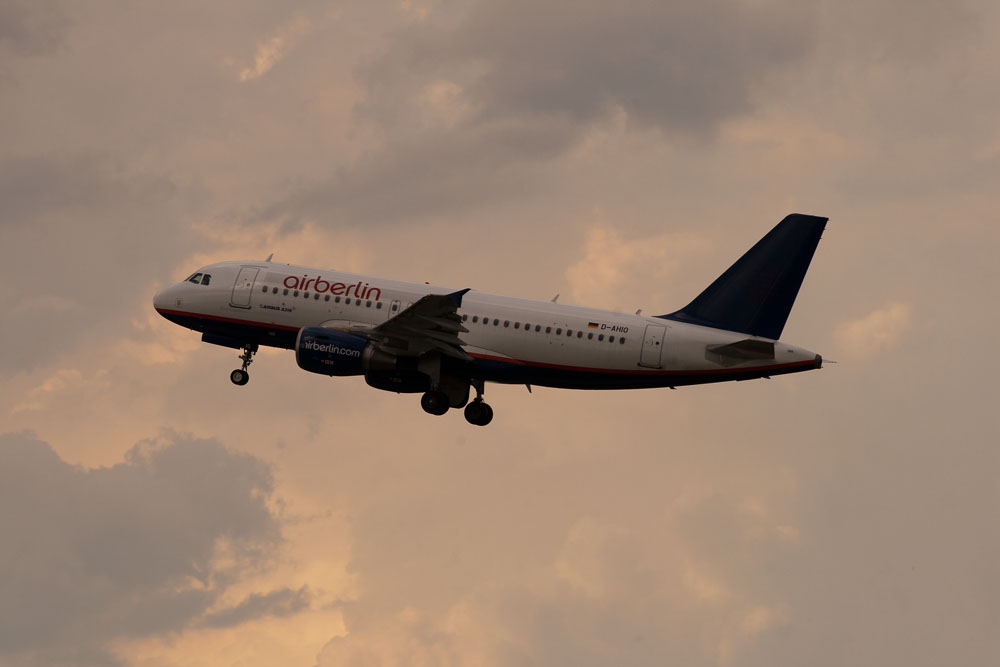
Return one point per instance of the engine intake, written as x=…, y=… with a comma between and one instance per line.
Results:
x=329, y=352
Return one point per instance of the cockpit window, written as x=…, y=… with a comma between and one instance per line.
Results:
x=196, y=279
x=200, y=279
x=205, y=279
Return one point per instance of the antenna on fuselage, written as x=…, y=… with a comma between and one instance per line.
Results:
x=269, y=257
x=555, y=298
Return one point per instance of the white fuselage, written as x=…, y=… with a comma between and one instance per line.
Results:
x=510, y=339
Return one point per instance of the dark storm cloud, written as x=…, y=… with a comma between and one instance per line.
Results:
x=532, y=79
x=90, y=555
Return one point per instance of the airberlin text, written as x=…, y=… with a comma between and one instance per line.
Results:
x=361, y=290
x=331, y=348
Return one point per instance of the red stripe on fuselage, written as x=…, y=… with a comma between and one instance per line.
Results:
x=230, y=320
x=536, y=364
x=639, y=371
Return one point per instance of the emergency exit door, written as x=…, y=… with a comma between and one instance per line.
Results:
x=652, y=346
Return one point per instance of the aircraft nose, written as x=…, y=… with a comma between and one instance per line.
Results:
x=161, y=299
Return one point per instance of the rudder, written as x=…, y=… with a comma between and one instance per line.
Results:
x=755, y=295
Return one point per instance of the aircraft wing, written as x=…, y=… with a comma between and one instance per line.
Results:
x=432, y=324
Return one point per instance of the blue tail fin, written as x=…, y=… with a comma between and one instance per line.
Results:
x=755, y=295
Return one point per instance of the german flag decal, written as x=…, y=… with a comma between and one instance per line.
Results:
x=591, y=325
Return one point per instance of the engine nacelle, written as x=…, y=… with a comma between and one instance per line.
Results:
x=330, y=352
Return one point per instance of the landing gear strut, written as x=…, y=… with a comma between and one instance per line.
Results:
x=240, y=376
x=478, y=412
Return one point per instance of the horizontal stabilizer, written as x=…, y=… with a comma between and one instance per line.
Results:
x=755, y=295
x=750, y=349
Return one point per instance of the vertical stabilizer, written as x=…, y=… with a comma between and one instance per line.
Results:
x=755, y=295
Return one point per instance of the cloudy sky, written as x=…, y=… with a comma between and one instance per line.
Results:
x=620, y=154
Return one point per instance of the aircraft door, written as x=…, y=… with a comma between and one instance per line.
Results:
x=652, y=346
x=244, y=287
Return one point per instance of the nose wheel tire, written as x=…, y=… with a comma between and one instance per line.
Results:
x=239, y=377
x=435, y=402
x=478, y=413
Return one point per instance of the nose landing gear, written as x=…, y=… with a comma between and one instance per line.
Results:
x=240, y=376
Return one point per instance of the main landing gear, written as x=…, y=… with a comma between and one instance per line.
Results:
x=477, y=412
x=240, y=376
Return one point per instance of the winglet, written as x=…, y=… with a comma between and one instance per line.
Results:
x=457, y=296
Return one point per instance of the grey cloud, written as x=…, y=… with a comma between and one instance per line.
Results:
x=677, y=67
x=35, y=187
x=671, y=65
x=535, y=77
x=282, y=602
x=83, y=228
x=436, y=172
x=32, y=28
x=91, y=555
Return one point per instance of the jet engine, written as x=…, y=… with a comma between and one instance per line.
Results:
x=329, y=352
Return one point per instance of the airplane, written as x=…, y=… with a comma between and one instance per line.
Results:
x=441, y=342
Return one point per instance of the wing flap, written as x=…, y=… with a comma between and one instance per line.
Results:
x=432, y=324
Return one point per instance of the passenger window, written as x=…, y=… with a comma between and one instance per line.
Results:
x=611, y=339
x=286, y=292
x=264, y=289
x=295, y=293
x=538, y=327
x=357, y=302
x=559, y=331
x=579, y=334
x=336, y=299
x=621, y=340
x=205, y=279
x=600, y=337
x=506, y=323
x=368, y=304
x=475, y=319
x=378, y=306
x=527, y=327
x=496, y=322
x=305, y=295
x=326, y=298
x=465, y=318
x=274, y=290
x=590, y=336
x=517, y=325
x=316, y=296
x=548, y=330
x=569, y=332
